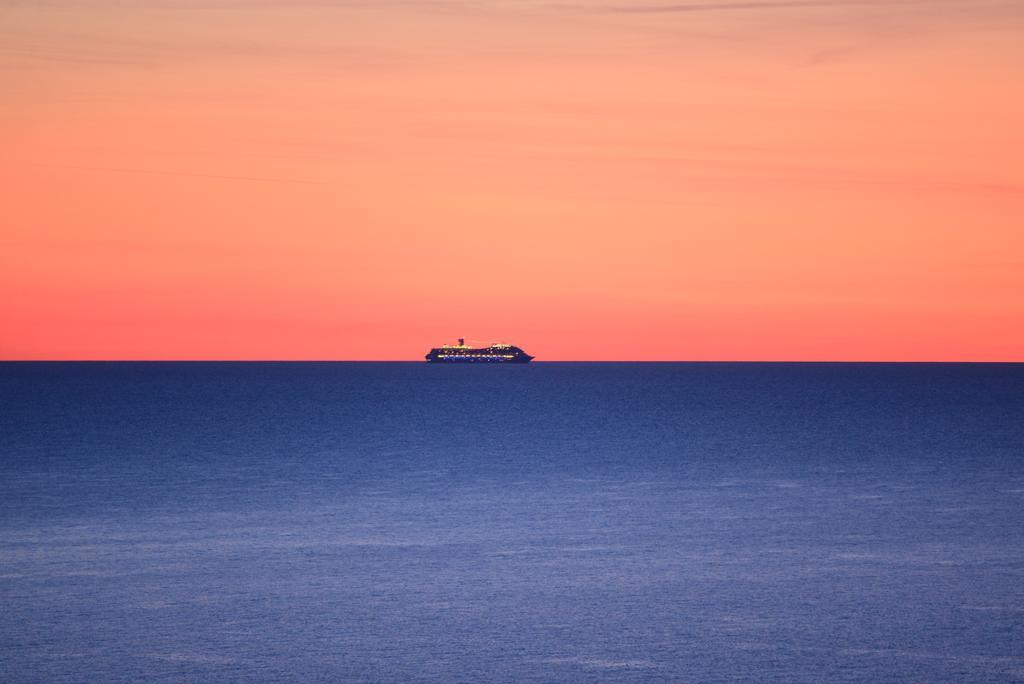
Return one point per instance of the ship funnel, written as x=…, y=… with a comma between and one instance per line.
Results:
x=462, y=342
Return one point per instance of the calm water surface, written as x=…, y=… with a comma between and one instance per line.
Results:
x=549, y=522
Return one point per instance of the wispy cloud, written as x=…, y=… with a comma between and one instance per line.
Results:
x=187, y=174
x=28, y=46
x=237, y=4
x=772, y=5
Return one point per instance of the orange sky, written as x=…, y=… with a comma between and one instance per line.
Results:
x=589, y=179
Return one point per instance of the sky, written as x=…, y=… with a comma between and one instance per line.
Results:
x=589, y=179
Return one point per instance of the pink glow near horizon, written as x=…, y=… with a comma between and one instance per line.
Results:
x=624, y=180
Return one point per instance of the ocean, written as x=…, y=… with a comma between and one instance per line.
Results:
x=551, y=522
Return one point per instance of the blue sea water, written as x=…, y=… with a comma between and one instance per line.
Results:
x=229, y=522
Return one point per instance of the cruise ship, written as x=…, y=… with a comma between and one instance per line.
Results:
x=461, y=353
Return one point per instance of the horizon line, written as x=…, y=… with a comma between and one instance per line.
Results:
x=415, y=361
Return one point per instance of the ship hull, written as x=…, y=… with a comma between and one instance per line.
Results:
x=456, y=359
x=497, y=353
